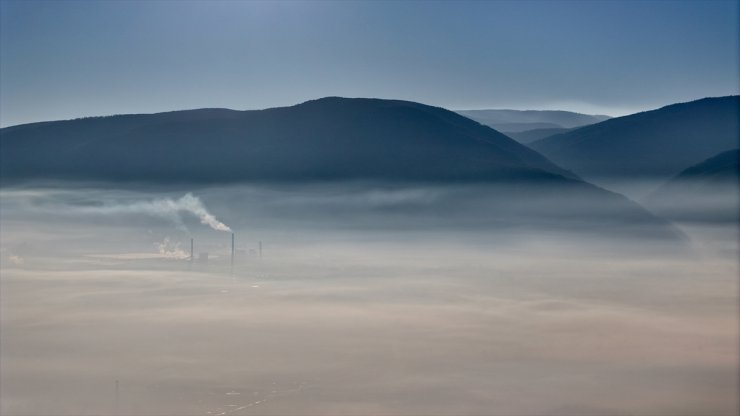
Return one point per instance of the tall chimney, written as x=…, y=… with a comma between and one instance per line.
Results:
x=192, y=253
x=260, y=249
x=116, y=408
x=232, y=251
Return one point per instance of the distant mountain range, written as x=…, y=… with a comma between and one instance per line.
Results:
x=515, y=121
x=654, y=144
x=530, y=136
x=325, y=140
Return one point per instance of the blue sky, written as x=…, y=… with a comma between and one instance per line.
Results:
x=62, y=59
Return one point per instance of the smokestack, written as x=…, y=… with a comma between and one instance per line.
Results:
x=260, y=249
x=192, y=253
x=116, y=402
x=232, y=251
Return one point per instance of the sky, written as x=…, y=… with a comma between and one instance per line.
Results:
x=67, y=59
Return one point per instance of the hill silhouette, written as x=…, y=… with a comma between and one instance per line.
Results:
x=529, y=136
x=654, y=144
x=708, y=191
x=514, y=121
x=720, y=168
x=329, y=140
x=325, y=139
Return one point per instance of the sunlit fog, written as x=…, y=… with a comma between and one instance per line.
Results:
x=369, y=208
x=106, y=310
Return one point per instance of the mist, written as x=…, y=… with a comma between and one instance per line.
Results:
x=358, y=298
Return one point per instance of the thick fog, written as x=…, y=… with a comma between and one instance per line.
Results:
x=362, y=299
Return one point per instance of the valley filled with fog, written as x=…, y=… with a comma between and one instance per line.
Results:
x=361, y=298
x=369, y=208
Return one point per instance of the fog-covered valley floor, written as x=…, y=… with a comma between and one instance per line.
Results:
x=363, y=303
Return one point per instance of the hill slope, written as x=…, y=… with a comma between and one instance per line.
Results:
x=522, y=120
x=708, y=191
x=325, y=139
x=654, y=144
x=720, y=168
x=529, y=136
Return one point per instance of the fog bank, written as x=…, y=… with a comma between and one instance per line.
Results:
x=359, y=304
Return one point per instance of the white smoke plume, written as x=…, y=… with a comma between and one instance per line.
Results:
x=171, y=249
x=193, y=205
x=167, y=208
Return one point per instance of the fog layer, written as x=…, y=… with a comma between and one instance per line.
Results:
x=360, y=300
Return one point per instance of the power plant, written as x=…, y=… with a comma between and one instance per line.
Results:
x=243, y=254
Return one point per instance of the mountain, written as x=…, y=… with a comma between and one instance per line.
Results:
x=718, y=169
x=654, y=144
x=708, y=191
x=529, y=136
x=325, y=139
x=520, y=127
x=522, y=120
x=330, y=142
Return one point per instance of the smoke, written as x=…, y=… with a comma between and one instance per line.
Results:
x=171, y=249
x=193, y=205
x=166, y=208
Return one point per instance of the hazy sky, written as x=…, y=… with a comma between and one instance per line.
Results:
x=68, y=59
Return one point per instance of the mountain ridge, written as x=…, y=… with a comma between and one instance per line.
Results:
x=515, y=121
x=656, y=143
x=707, y=191
x=330, y=140
x=326, y=138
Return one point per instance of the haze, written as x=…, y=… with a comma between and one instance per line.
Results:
x=504, y=208
x=348, y=313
